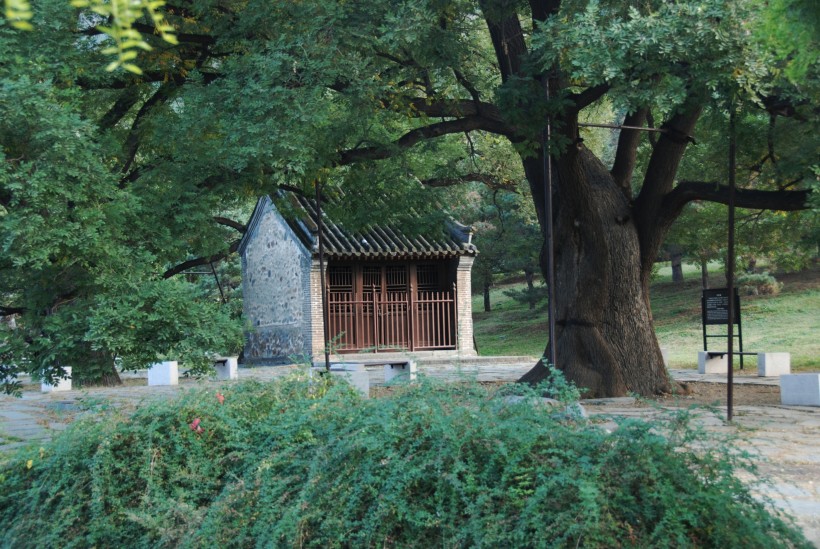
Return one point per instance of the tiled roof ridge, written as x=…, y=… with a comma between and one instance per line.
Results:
x=374, y=240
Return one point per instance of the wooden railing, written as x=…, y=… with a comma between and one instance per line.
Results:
x=382, y=321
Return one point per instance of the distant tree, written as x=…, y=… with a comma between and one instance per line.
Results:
x=508, y=238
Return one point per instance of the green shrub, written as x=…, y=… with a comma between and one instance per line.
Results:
x=758, y=284
x=305, y=463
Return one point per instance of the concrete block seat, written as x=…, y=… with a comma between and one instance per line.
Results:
x=800, y=389
x=773, y=364
x=354, y=373
x=63, y=384
x=164, y=373
x=227, y=367
x=768, y=364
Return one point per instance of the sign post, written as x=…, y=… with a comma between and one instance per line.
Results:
x=715, y=311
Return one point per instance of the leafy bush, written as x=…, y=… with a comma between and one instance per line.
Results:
x=758, y=284
x=310, y=463
x=529, y=296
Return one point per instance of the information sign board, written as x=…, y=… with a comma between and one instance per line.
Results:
x=715, y=306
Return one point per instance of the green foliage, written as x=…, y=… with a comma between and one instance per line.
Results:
x=789, y=29
x=121, y=15
x=696, y=45
x=163, y=319
x=758, y=283
x=529, y=295
x=82, y=254
x=296, y=463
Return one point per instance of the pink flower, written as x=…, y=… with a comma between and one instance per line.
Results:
x=220, y=397
x=194, y=425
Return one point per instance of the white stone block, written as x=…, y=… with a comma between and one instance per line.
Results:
x=712, y=364
x=800, y=389
x=773, y=364
x=227, y=367
x=164, y=373
x=353, y=373
x=665, y=355
x=63, y=384
x=400, y=371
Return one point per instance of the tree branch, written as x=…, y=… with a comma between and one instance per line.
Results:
x=658, y=181
x=687, y=191
x=231, y=223
x=419, y=134
x=468, y=86
x=132, y=141
x=588, y=96
x=7, y=311
x=460, y=108
x=149, y=30
x=127, y=99
x=490, y=181
x=626, y=153
x=191, y=263
x=507, y=37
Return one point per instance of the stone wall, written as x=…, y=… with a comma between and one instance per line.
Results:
x=276, y=291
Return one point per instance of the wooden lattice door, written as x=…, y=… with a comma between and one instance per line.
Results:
x=381, y=307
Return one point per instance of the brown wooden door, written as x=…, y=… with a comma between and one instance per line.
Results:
x=383, y=307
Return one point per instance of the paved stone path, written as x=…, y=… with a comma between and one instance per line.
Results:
x=788, y=437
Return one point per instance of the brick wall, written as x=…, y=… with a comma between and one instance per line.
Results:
x=464, y=303
x=317, y=324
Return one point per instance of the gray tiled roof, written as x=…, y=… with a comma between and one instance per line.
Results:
x=375, y=241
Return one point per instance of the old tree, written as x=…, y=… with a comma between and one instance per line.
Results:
x=387, y=98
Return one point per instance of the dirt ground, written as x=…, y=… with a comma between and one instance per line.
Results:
x=715, y=394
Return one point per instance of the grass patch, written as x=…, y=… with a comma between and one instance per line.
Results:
x=771, y=323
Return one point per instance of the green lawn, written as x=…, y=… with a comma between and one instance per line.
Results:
x=788, y=322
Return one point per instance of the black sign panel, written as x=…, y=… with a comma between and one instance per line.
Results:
x=715, y=306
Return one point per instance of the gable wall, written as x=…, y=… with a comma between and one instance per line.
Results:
x=276, y=290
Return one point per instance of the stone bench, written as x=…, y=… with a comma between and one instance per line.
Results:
x=397, y=369
x=400, y=370
x=354, y=373
x=800, y=389
x=768, y=364
x=227, y=367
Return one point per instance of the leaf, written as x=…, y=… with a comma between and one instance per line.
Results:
x=130, y=67
x=22, y=25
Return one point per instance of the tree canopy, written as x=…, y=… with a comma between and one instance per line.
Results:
x=138, y=173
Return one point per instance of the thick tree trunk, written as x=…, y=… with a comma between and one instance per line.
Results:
x=487, y=305
x=605, y=340
x=101, y=369
x=704, y=274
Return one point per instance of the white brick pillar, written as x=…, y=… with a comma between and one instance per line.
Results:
x=317, y=320
x=464, y=305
